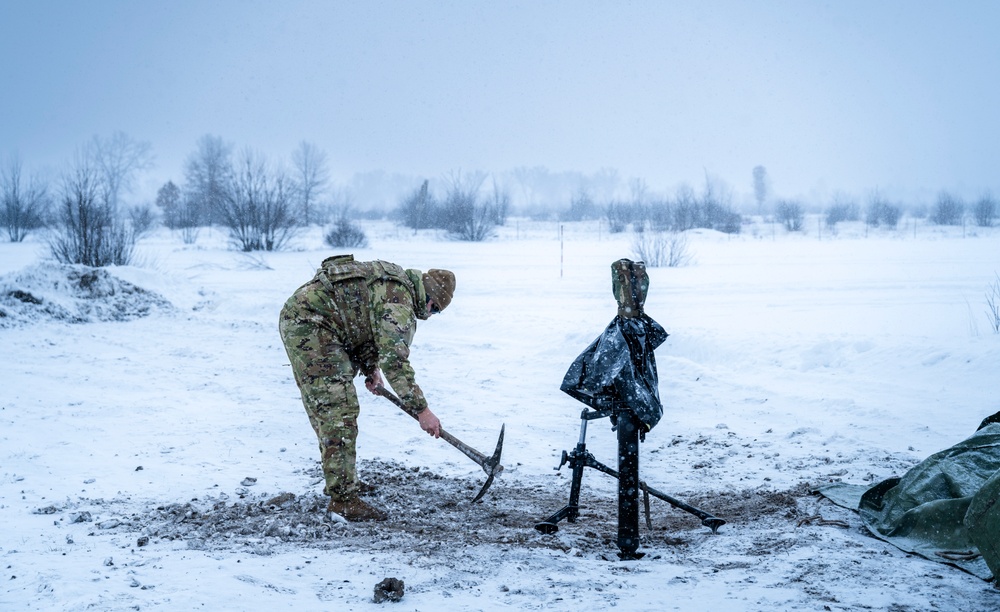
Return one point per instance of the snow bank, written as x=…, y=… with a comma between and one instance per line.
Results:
x=73, y=294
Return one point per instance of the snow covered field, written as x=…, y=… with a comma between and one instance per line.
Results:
x=165, y=462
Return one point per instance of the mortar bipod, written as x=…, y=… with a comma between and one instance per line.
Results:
x=580, y=458
x=577, y=459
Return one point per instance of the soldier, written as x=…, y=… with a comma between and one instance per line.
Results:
x=357, y=317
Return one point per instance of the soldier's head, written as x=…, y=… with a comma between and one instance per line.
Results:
x=440, y=287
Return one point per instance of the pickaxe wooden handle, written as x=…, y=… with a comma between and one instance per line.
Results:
x=491, y=465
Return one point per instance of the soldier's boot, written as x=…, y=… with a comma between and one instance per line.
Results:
x=355, y=510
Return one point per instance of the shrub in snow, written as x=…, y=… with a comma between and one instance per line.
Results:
x=841, y=211
x=418, y=211
x=948, y=210
x=466, y=216
x=789, y=214
x=88, y=230
x=881, y=212
x=23, y=203
x=581, y=208
x=659, y=249
x=619, y=215
x=345, y=234
x=985, y=211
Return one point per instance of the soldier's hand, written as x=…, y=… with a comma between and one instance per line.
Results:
x=373, y=381
x=429, y=423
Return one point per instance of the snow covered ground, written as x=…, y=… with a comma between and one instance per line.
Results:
x=165, y=462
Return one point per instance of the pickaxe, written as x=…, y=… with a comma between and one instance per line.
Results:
x=491, y=465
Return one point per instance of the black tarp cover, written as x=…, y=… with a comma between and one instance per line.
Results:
x=619, y=367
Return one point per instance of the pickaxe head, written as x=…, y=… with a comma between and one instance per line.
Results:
x=491, y=466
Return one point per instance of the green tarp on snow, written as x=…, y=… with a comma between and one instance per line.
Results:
x=945, y=508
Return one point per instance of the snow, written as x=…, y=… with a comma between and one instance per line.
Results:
x=794, y=360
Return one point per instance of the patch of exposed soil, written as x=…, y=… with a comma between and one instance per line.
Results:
x=787, y=540
x=428, y=512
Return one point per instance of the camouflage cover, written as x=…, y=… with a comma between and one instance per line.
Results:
x=946, y=507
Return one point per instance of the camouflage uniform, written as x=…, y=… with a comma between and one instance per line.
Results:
x=352, y=317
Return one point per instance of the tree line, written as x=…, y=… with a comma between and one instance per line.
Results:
x=262, y=204
x=86, y=212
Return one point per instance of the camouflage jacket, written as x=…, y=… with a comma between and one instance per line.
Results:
x=374, y=306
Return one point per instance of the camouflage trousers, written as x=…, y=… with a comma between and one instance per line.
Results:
x=324, y=373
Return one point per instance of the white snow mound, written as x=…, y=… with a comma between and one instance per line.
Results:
x=73, y=294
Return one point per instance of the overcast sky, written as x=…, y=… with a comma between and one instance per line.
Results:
x=902, y=96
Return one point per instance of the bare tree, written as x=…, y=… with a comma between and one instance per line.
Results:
x=638, y=190
x=188, y=221
x=948, y=210
x=118, y=160
x=418, y=210
x=716, y=207
x=985, y=210
x=619, y=215
x=581, y=206
x=760, y=187
x=463, y=213
x=661, y=214
x=528, y=179
x=207, y=173
x=881, y=212
x=169, y=199
x=790, y=214
x=142, y=219
x=90, y=226
x=23, y=202
x=685, y=209
x=311, y=178
x=603, y=183
x=89, y=230
x=843, y=208
x=257, y=205
x=179, y=211
x=499, y=203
